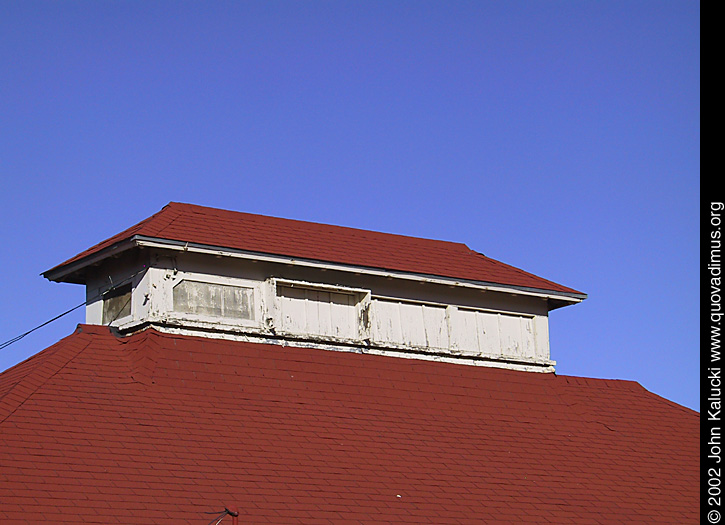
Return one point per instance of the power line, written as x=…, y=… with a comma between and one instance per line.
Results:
x=218, y=518
x=19, y=337
x=97, y=296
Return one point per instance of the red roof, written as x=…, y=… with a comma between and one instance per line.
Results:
x=321, y=242
x=157, y=428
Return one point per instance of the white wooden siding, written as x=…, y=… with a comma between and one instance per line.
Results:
x=409, y=324
x=477, y=332
x=465, y=331
x=323, y=312
x=435, y=320
x=318, y=312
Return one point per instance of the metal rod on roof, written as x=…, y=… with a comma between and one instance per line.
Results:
x=234, y=513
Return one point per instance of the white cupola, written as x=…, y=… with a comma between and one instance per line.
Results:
x=195, y=270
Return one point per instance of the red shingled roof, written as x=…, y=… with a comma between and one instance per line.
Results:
x=155, y=428
x=321, y=242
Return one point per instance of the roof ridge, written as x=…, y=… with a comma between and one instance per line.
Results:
x=48, y=363
x=601, y=381
x=661, y=399
x=165, y=222
x=222, y=212
x=143, y=364
x=520, y=271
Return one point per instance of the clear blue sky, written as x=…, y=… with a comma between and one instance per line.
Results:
x=558, y=136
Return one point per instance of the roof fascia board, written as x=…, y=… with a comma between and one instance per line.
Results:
x=153, y=242
x=58, y=273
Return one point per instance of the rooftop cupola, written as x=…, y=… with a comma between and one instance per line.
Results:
x=203, y=271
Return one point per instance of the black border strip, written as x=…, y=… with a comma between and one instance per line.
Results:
x=712, y=312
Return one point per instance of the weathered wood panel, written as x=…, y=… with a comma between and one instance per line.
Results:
x=511, y=340
x=489, y=333
x=461, y=330
x=386, y=322
x=436, y=326
x=464, y=331
x=307, y=311
x=411, y=324
x=492, y=333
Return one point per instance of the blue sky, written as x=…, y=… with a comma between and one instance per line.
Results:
x=558, y=136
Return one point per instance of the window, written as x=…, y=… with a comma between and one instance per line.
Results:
x=215, y=300
x=117, y=304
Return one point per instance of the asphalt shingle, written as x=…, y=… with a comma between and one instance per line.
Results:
x=321, y=242
x=155, y=427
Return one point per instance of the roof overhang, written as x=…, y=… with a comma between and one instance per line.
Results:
x=74, y=272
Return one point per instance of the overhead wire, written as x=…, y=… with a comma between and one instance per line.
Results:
x=19, y=337
x=89, y=300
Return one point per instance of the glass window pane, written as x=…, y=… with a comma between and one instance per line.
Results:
x=117, y=304
x=216, y=300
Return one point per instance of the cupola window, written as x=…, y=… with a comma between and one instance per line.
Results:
x=116, y=304
x=214, y=300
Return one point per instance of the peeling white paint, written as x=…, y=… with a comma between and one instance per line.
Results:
x=231, y=298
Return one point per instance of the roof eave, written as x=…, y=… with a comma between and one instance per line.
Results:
x=555, y=295
x=73, y=272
